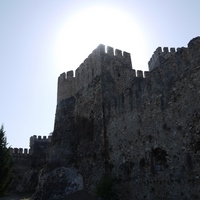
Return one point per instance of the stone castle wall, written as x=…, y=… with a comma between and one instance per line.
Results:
x=69, y=85
x=141, y=128
x=153, y=135
x=28, y=162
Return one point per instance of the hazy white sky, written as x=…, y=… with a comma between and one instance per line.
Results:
x=40, y=39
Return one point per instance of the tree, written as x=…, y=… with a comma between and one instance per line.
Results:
x=5, y=164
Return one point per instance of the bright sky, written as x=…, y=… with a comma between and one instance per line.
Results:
x=40, y=39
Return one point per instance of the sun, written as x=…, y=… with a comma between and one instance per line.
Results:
x=85, y=30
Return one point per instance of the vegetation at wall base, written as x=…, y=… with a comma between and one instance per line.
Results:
x=5, y=164
x=104, y=189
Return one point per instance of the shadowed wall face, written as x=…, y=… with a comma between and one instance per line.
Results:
x=144, y=117
x=141, y=129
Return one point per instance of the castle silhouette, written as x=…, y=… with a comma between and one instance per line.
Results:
x=141, y=129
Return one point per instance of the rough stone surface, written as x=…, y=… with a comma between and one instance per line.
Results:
x=58, y=183
x=80, y=195
x=141, y=130
x=28, y=163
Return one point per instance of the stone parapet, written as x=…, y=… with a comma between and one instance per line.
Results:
x=155, y=59
x=69, y=84
x=19, y=151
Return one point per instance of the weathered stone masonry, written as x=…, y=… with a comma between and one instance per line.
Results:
x=140, y=128
x=28, y=162
x=143, y=127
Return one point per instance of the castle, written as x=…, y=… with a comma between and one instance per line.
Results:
x=141, y=129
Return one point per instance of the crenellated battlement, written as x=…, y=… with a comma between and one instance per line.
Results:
x=40, y=138
x=136, y=73
x=101, y=49
x=117, y=63
x=38, y=142
x=102, y=58
x=33, y=140
x=19, y=151
x=165, y=52
x=141, y=127
x=113, y=52
x=161, y=54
